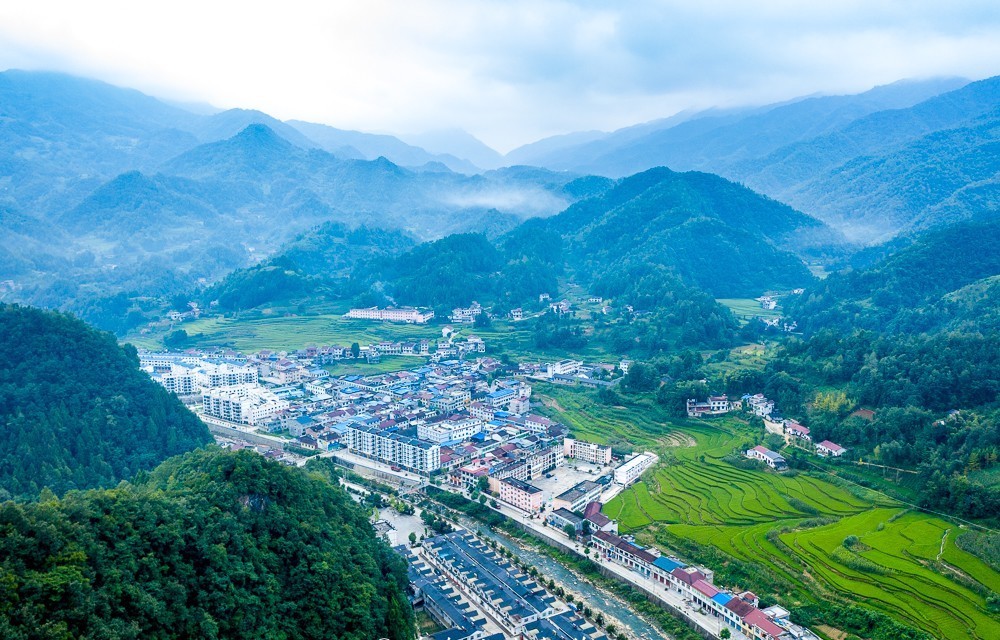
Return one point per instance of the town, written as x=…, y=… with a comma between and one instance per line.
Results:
x=463, y=422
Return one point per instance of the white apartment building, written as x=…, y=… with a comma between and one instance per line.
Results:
x=248, y=404
x=449, y=430
x=226, y=375
x=564, y=368
x=390, y=447
x=409, y=315
x=587, y=451
x=631, y=469
x=180, y=379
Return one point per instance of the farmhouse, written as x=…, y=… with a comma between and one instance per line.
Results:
x=768, y=457
x=827, y=448
x=714, y=406
x=796, y=430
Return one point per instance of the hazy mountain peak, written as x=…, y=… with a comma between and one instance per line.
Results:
x=458, y=143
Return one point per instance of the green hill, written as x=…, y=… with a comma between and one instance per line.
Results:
x=208, y=545
x=76, y=411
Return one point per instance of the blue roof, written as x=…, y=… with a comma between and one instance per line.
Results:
x=722, y=598
x=304, y=420
x=666, y=564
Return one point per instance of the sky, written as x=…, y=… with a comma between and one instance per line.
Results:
x=509, y=72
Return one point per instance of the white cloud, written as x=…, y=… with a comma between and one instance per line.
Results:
x=508, y=72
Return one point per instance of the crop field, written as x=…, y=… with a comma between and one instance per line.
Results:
x=284, y=332
x=746, y=308
x=791, y=526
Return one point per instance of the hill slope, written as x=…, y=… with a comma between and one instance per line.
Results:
x=76, y=410
x=208, y=545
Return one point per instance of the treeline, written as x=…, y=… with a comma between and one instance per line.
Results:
x=208, y=545
x=76, y=411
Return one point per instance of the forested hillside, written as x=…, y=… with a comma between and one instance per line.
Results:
x=913, y=337
x=76, y=411
x=208, y=545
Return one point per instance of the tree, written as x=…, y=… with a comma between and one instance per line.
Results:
x=569, y=530
x=413, y=538
x=483, y=483
x=175, y=339
x=599, y=619
x=725, y=634
x=355, y=349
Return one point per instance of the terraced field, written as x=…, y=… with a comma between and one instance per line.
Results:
x=791, y=525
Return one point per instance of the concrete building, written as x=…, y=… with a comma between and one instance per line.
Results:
x=450, y=430
x=520, y=494
x=576, y=498
x=630, y=470
x=248, y=404
x=409, y=315
x=587, y=451
x=392, y=448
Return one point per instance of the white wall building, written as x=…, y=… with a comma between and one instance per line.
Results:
x=390, y=447
x=630, y=470
x=248, y=404
x=450, y=430
x=392, y=314
x=587, y=451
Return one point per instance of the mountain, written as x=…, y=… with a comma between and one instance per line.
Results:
x=460, y=144
x=712, y=233
x=717, y=140
x=207, y=545
x=369, y=146
x=941, y=280
x=314, y=267
x=76, y=410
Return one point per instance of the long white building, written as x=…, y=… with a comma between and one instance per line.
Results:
x=449, y=430
x=410, y=315
x=248, y=404
x=631, y=469
x=390, y=447
x=587, y=451
x=226, y=375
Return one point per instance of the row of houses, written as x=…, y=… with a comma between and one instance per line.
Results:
x=515, y=601
x=409, y=315
x=738, y=611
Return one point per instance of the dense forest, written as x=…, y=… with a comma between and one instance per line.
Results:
x=76, y=410
x=208, y=545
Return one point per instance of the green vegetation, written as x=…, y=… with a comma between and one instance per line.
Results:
x=75, y=410
x=208, y=545
x=783, y=535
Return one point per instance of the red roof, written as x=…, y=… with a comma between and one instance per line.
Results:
x=705, y=588
x=832, y=446
x=765, y=624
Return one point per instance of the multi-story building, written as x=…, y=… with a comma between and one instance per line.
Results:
x=715, y=405
x=564, y=368
x=630, y=470
x=248, y=404
x=449, y=430
x=390, y=447
x=226, y=375
x=579, y=496
x=520, y=494
x=179, y=378
x=587, y=451
x=409, y=315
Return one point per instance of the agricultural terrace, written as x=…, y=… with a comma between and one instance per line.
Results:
x=788, y=527
x=251, y=332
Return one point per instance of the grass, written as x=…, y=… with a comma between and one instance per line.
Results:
x=789, y=527
x=747, y=308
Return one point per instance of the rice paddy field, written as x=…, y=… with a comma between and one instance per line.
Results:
x=790, y=525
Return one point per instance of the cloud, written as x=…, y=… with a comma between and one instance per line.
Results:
x=509, y=72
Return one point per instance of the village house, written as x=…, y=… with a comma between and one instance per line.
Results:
x=832, y=449
x=768, y=457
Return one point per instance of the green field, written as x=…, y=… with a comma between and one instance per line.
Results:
x=746, y=308
x=788, y=526
x=251, y=333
